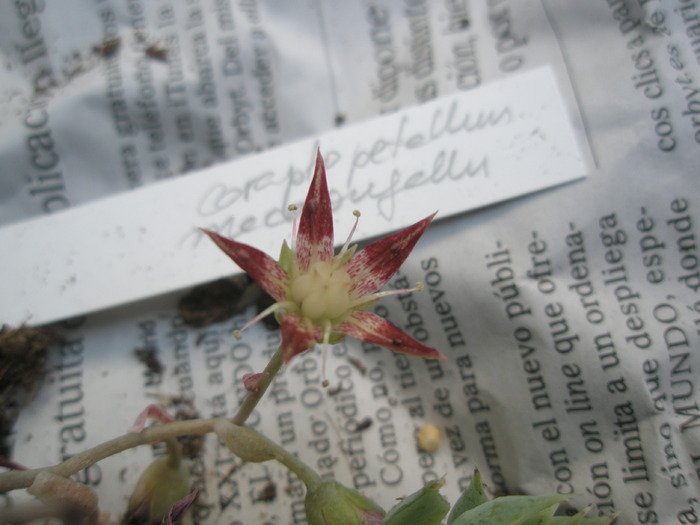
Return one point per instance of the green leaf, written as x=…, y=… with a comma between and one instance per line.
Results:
x=510, y=510
x=470, y=498
x=425, y=507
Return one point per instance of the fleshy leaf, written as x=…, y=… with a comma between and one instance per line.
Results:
x=470, y=498
x=374, y=265
x=369, y=327
x=509, y=510
x=257, y=264
x=245, y=442
x=315, y=237
x=425, y=507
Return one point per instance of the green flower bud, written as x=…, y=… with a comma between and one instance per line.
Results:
x=426, y=507
x=329, y=503
x=162, y=484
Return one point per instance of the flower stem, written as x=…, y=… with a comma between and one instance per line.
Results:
x=17, y=479
x=253, y=398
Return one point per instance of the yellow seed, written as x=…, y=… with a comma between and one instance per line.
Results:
x=429, y=438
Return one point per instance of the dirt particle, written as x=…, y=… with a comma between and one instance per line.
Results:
x=107, y=48
x=148, y=356
x=357, y=363
x=220, y=300
x=157, y=52
x=268, y=492
x=23, y=356
x=363, y=424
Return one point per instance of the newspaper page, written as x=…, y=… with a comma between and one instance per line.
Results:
x=570, y=317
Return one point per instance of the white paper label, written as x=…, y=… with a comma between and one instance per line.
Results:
x=456, y=153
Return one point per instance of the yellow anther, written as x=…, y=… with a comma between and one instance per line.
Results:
x=420, y=286
x=292, y=207
x=356, y=213
x=237, y=334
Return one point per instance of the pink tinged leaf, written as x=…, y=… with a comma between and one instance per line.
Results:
x=179, y=508
x=260, y=266
x=298, y=335
x=153, y=412
x=251, y=382
x=374, y=265
x=315, y=237
x=369, y=327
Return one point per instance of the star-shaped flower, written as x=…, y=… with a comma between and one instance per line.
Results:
x=322, y=297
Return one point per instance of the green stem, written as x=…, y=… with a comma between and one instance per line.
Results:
x=306, y=474
x=17, y=479
x=253, y=398
x=174, y=452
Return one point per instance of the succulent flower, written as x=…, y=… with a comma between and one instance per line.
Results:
x=321, y=297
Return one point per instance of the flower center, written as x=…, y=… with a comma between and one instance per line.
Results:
x=322, y=292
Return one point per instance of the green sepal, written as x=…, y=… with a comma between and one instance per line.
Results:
x=511, y=510
x=345, y=256
x=286, y=257
x=474, y=496
x=336, y=337
x=426, y=507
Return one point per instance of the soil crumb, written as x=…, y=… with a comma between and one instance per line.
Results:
x=223, y=299
x=23, y=356
x=148, y=356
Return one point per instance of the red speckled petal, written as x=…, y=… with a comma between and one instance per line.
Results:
x=298, y=335
x=260, y=266
x=369, y=327
x=374, y=265
x=315, y=237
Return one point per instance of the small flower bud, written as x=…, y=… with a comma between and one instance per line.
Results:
x=162, y=484
x=245, y=442
x=329, y=503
